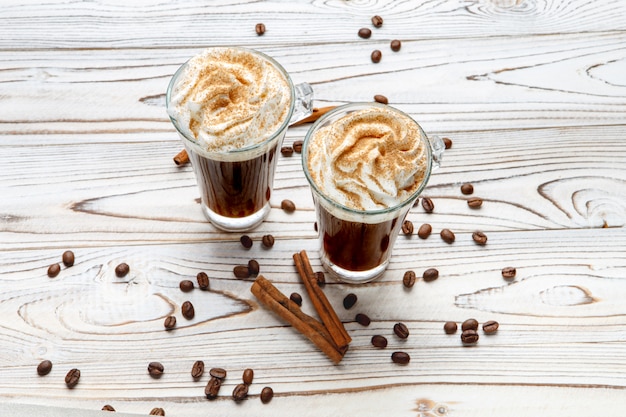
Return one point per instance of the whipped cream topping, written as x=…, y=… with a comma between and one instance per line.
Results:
x=229, y=98
x=369, y=159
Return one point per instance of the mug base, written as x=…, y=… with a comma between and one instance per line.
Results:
x=236, y=224
x=353, y=277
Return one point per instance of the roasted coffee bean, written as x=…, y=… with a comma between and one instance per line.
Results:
x=157, y=411
x=447, y=142
x=424, y=231
x=320, y=278
x=44, y=367
x=213, y=388
x=450, y=327
x=267, y=393
x=467, y=188
x=197, y=369
x=480, y=238
x=475, y=202
x=428, y=205
x=253, y=267
x=430, y=274
x=185, y=285
x=169, y=322
x=122, y=270
x=447, y=235
x=286, y=150
x=401, y=358
x=246, y=241
x=401, y=330
x=267, y=241
x=187, y=310
x=469, y=324
x=395, y=45
x=241, y=271
x=288, y=206
x=490, y=326
x=248, y=376
x=376, y=56
x=365, y=33
x=107, y=407
x=509, y=272
x=349, y=301
x=240, y=392
x=68, y=258
x=259, y=29
x=379, y=98
x=219, y=373
x=469, y=337
x=379, y=341
x=407, y=227
x=408, y=280
x=297, y=146
x=72, y=377
x=296, y=298
x=155, y=369
x=203, y=280
x=377, y=21
x=54, y=270
x=363, y=319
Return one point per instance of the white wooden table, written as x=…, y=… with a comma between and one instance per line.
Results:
x=532, y=94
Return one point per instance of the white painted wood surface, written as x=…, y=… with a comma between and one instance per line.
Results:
x=533, y=95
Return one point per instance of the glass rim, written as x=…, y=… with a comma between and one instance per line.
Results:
x=173, y=81
x=346, y=109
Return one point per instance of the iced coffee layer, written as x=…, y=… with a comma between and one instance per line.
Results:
x=228, y=98
x=370, y=159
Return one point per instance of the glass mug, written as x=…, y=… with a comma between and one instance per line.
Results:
x=235, y=179
x=356, y=243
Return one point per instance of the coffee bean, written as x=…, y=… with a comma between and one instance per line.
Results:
x=297, y=146
x=365, y=33
x=213, y=388
x=401, y=358
x=447, y=142
x=430, y=274
x=376, y=56
x=424, y=231
x=253, y=267
x=187, y=310
x=475, y=202
x=401, y=330
x=122, y=270
x=363, y=319
x=469, y=337
x=296, y=298
x=259, y=29
x=248, y=376
x=157, y=411
x=286, y=151
x=467, y=188
x=267, y=241
x=155, y=369
x=407, y=227
x=480, y=238
x=395, y=45
x=185, y=285
x=170, y=322
x=379, y=341
x=107, y=407
x=246, y=241
x=203, y=280
x=288, y=206
x=320, y=278
x=349, y=301
x=44, y=367
x=219, y=373
x=450, y=327
x=408, y=280
x=469, y=324
x=508, y=272
x=68, y=258
x=72, y=377
x=53, y=270
x=447, y=235
x=197, y=369
x=379, y=98
x=377, y=21
x=490, y=326
x=428, y=205
x=240, y=392
x=267, y=393
x=241, y=271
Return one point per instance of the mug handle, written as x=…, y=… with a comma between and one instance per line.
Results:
x=438, y=147
x=304, y=102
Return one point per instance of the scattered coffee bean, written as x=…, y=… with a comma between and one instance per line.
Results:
x=509, y=272
x=365, y=33
x=253, y=267
x=376, y=56
x=155, y=369
x=213, y=388
x=72, y=377
x=428, y=205
x=401, y=330
x=107, y=407
x=467, y=188
x=288, y=206
x=469, y=324
x=447, y=142
x=157, y=411
x=430, y=274
x=187, y=310
x=219, y=373
x=377, y=21
x=267, y=393
x=185, y=285
x=450, y=327
x=424, y=231
x=349, y=301
x=296, y=298
x=246, y=241
x=241, y=271
x=379, y=98
x=203, y=280
x=469, y=337
x=407, y=227
x=379, y=341
x=53, y=270
x=259, y=29
x=409, y=278
x=68, y=258
x=401, y=358
x=122, y=270
x=44, y=367
x=320, y=278
x=197, y=370
x=475, y=202
x=447, y=235
x=267, y=241
x=363, y=319
x=490, y=326
x=395, y=45
x=480, y=238
x=240, y=392
x=248, y=376
x=169, y=323
x=297, y=146
x=286, y=151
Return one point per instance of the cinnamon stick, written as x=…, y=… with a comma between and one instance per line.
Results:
x=317, y=113
x=181, y=158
